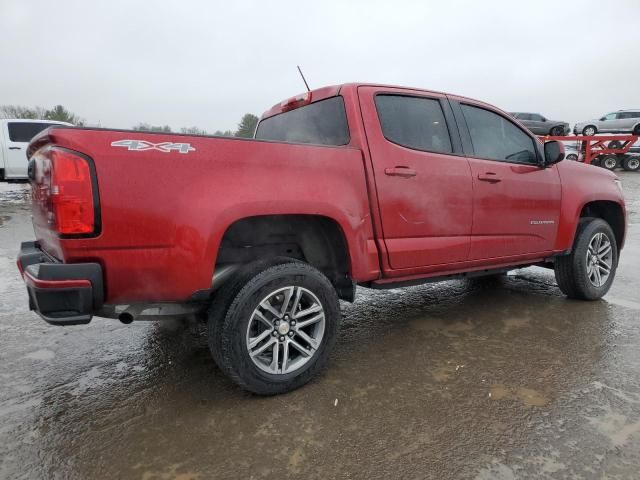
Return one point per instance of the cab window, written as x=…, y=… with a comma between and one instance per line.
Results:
x=495, y=138
x=414, y=122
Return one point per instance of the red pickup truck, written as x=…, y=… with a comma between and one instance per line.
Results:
x=361, y=184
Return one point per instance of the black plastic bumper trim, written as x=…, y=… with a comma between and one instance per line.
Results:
x=61, y=306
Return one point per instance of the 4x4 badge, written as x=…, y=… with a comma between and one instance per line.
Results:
x=142, y=145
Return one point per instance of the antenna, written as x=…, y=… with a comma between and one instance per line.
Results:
x=303, y=79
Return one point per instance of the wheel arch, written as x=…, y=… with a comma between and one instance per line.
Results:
x=609, y=211
x=556, y=125
x=316, y=239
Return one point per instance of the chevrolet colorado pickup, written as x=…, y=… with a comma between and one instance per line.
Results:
x=347, y=185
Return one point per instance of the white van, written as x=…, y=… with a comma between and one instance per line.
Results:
x=15, y=135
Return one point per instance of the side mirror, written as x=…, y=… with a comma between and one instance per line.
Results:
x=553, y=152
x=543, y=119
x=603, y=119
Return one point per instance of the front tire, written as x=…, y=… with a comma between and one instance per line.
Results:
x=589, y=130
x=273, y=329
x=588, y=271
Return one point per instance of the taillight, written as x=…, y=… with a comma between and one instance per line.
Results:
x=63, y=187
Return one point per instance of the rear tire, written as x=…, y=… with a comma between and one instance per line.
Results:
x=636, y=130
x=609, y=162
x=557, y=131
x=572, y=156
x=631, y=164
x=238, y=319
x=577, y=274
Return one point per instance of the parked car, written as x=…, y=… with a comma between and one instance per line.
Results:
x=541, y=125
x=622, y=121
x=361, y=184
x=15, y=135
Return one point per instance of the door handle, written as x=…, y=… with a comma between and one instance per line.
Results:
x=404, y=172
x=490, y=177
x=15, y=148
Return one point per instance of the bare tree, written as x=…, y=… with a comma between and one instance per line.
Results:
x=145, y=127
x=226, y=133
x=58, y=113
x=193, y=131
x=20, y=111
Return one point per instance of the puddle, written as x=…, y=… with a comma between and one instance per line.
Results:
x=527, y=396
x=513, y=323
x=14, y=194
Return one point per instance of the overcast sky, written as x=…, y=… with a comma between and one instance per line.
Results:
x=206, y=63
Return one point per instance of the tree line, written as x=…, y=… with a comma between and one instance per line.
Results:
x=245, y=129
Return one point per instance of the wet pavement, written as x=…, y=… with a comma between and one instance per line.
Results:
x=464, y=379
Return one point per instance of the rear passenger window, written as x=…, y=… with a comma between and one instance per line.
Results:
x=414, y=122
x=496, y=138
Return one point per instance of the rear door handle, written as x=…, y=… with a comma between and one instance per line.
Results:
x=404, y=172
x=490, y=177
x=15, y=148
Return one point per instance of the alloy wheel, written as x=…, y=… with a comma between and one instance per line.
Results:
x=599, y=259
x=285, y=330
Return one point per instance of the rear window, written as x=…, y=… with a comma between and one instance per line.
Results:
x=320, y=123
x=25, y=131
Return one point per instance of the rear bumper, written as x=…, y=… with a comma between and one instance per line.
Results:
x=61, y=293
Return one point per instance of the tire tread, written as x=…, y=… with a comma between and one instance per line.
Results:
x=224, y=316
x=570, y=277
